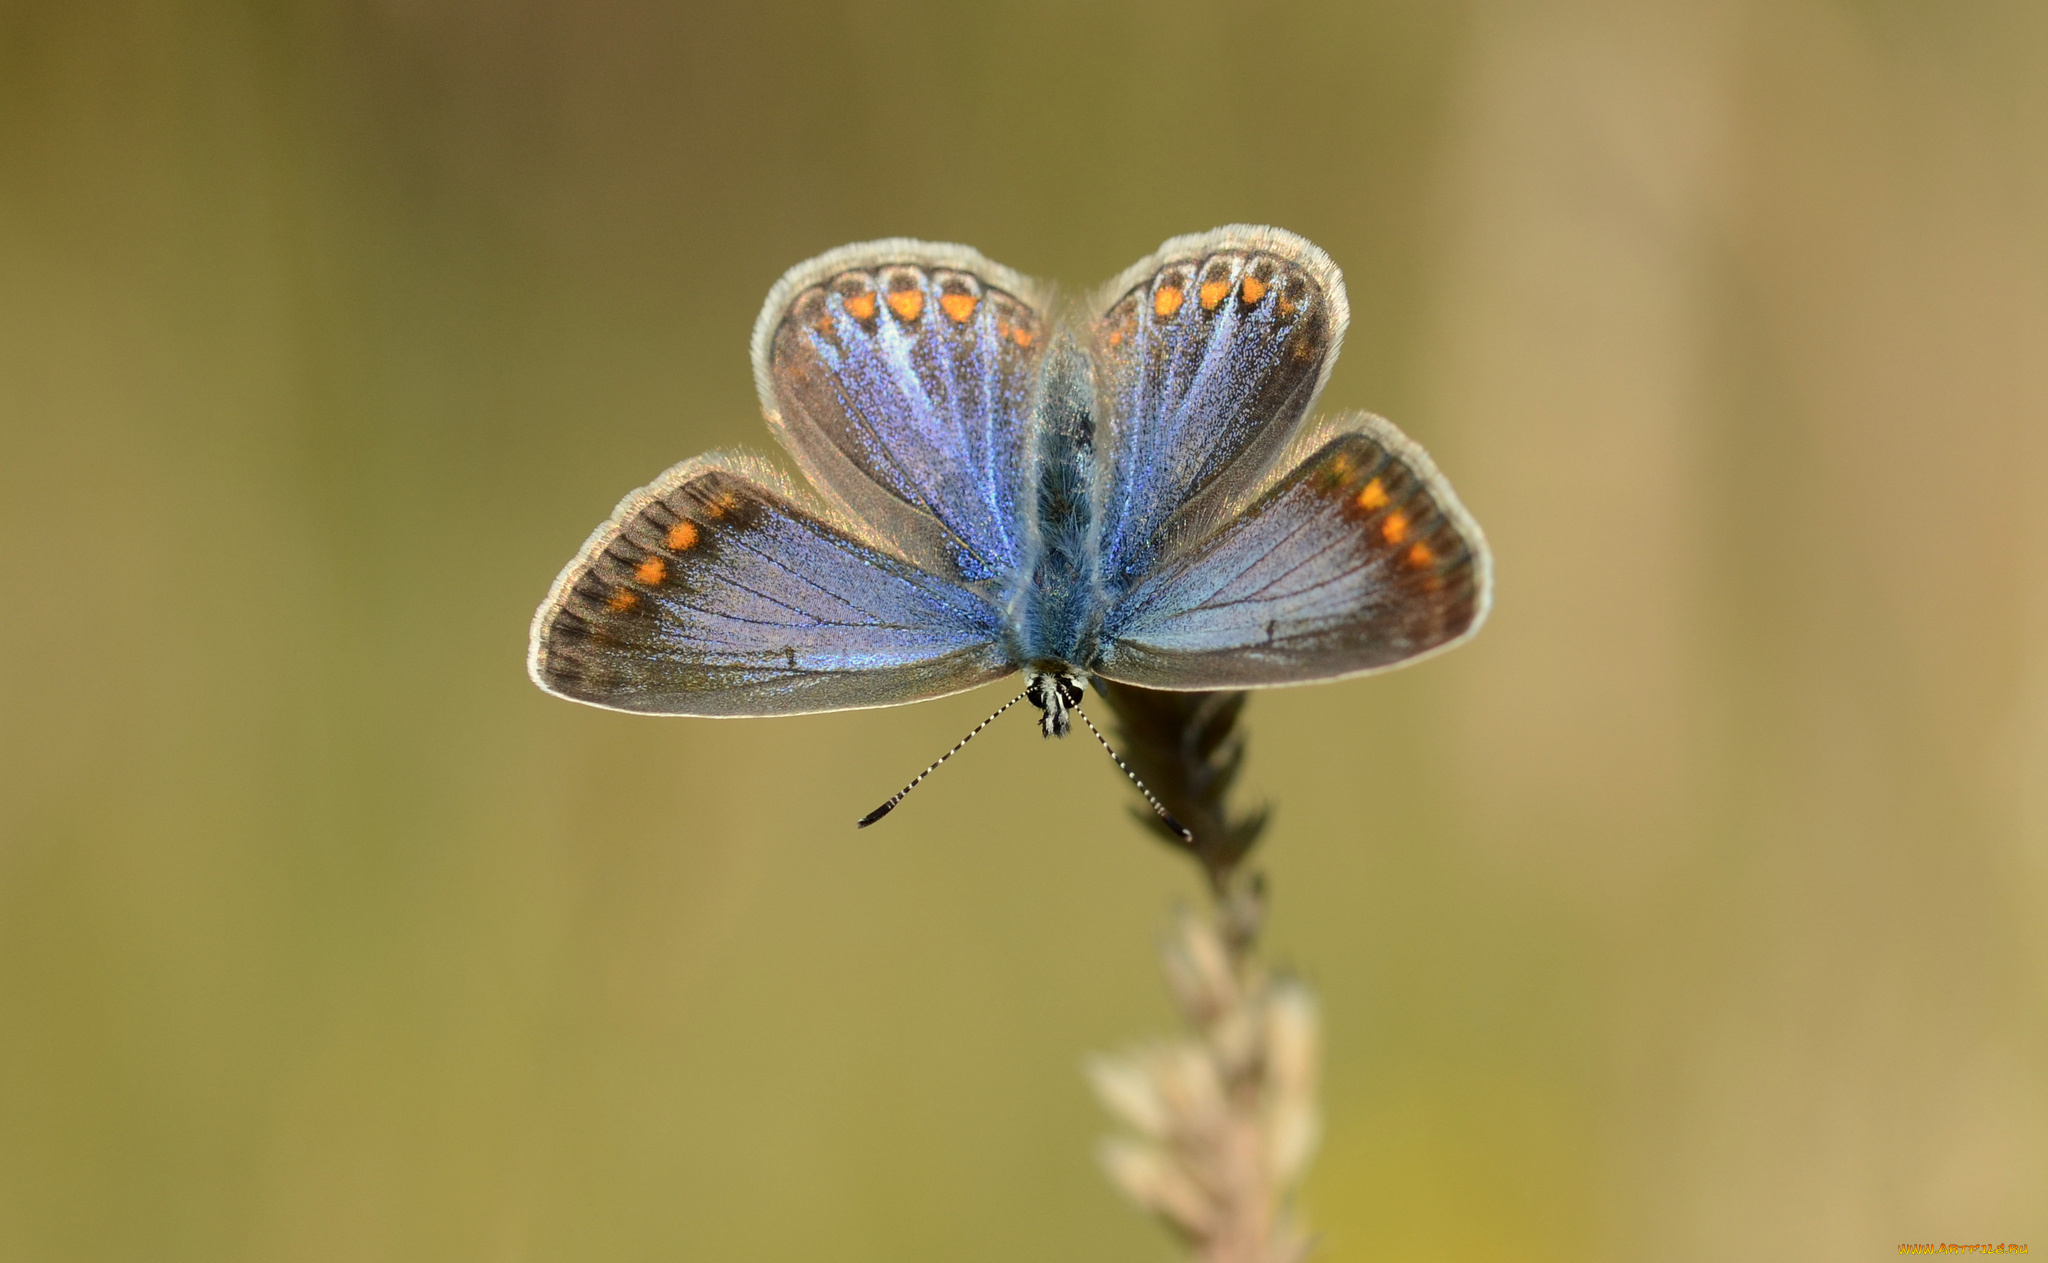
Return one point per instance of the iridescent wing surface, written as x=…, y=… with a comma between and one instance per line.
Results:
x=1207, y=356
x=1358, y=557
x=899, y=374
x=715, y=591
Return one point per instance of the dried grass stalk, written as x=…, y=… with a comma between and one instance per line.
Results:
x=1222, y=1119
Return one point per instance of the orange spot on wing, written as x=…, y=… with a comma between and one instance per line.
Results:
x=721, y=504
x=1167, y=301
x=861, y=306
x=1212, y=293
x=622, y=600
x=1022, y=336
x=1253, y=289
x=1333, y=473
x=908, y=304
x=1374, y=496
x=959, y=306
x=651, y=572
x=1421, y=554
x=682, y=536
x=1395, y=528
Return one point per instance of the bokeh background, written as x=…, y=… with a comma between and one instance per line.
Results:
x=1695, y=911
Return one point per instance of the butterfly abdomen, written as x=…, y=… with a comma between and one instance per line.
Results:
x=1056, y=609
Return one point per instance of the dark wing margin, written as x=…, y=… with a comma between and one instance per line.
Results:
x=1208, y=356
x=715, y=592
x=900, y=376
x=1357, y=558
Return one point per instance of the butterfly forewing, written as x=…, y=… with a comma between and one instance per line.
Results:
x=1207, y=357
x=900, y=375
x=713, y=593
x=1358, y=558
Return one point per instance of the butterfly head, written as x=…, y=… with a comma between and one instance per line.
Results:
x=1056, y=692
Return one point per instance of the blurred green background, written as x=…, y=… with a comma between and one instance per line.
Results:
x=1693, y=912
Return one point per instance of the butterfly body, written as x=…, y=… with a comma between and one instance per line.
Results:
x=1134, y=491
x=1055, y=600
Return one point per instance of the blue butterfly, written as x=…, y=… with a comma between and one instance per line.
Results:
x=1131, y=492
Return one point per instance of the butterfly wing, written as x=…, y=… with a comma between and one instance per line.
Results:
x=1357, y=558
x=899, y=374
x=716, y=592
x=1207, y=356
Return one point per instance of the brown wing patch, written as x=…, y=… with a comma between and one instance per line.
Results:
x=1401, y=525
x=607, y=606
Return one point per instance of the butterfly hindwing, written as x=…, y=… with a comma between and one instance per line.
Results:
x=1207, y=356
x=1359, y=557
x=714, y=592
x=899, y=374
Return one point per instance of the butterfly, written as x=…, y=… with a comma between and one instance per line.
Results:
x=1132, y=490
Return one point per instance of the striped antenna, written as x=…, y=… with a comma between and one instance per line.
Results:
x=1186, y=834
x=901, y=794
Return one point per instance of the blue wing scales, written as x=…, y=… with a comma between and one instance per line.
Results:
x=900, y=375
x=1207, y=356
x=716, y=592
x=1357, y=558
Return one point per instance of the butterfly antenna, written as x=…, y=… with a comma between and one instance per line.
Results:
x=903, y=793
x=1186, y=834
